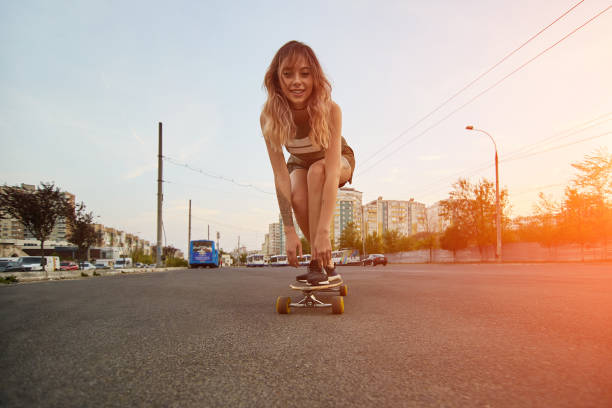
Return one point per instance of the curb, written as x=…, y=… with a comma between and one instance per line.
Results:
x=39, y=276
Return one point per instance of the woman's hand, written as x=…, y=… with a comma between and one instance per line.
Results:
x=294, y=249
x=321, y=249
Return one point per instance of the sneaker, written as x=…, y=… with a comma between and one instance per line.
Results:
x=302, y=278
x=332, y=275
x=315, y=274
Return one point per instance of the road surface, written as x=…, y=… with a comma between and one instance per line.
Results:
x=411, y=336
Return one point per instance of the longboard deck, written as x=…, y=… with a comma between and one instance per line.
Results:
x=306, y=287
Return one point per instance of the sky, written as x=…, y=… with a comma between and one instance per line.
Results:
x=85, y=84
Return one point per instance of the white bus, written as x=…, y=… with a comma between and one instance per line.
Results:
x=255, y=260
x=278, y=260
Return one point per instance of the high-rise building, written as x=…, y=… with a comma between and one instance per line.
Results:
x=348, y=209
x=11, y=228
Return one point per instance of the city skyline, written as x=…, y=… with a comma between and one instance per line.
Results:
x=85, y=85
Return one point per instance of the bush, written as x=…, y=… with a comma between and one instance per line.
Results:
x=174, y=262
x=84, y=275
x=8, y=280
x=95, y=273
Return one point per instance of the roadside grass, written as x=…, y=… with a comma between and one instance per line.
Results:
x=8, y=280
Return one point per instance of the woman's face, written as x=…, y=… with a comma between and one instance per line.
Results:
x=296, y=81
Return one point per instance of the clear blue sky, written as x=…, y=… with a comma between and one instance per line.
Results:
x=84, y=85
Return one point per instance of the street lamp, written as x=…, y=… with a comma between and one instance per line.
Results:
x=498, y=248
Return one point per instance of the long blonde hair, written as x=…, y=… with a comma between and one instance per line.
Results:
x=279, y=125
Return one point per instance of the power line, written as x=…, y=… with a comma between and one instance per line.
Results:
x=538, y=189
x=230, y=226
x=486, y=90
x=206, y=188
x=212, y=175
x=471, y=83
x=470, y=172
x=559, y=147
x=558, y=136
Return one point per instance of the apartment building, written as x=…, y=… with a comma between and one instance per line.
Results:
x=11, y=228
x=408, y=217
x=435, y=221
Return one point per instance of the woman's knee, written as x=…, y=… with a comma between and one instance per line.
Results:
x=316, y=173
x=299, y=199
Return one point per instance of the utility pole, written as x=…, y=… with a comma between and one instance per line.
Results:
x=208, y=232
x=189, y=233
x=159, y=198
x=498, y=238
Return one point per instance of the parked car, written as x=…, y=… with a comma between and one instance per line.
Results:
x=139, y=265
x=12, y=266
x=375, y=259
x=101, y=266
x=68, y=266
x=4, y=263
x=86, y=266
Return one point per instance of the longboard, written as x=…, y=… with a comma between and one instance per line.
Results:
x=284, y=305
x=313, y=288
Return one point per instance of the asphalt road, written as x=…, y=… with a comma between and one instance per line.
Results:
x=411, y=335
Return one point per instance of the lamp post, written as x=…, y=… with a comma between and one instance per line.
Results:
x=498, y=248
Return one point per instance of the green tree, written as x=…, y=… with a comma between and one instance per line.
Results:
x=374, y=244
x=472, y=208
x=391, y=241
x=38, y=210
x=427, y=240
x=545, y=224
x=349, y=238
x=305, y=246
x=591, y=195
x=578, y=218
x=454, y=239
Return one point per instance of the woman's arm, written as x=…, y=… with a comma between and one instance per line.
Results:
x=282, y=183
x=330, y=188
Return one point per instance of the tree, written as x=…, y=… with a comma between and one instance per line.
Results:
x=427, y=240
x=305, y=246
x=592, y=191
x=38, y=210
x=349, y=238
x=391, y=241
x=373, y=244
x=579, y=218
x=168, y=253
x=472, y=208
x=453, y=239
x=547, y=231
x=82, y=232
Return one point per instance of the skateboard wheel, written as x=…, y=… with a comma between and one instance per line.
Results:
x=282, y=305
x=337, y=303
x=343, y=290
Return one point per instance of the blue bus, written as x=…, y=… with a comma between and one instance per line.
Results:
x=203, y=253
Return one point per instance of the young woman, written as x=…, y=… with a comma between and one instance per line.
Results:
x=300, y=115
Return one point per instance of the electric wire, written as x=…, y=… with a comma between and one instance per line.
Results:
x=396, y=150
x=212, y=175
x=474, y=171
x=230, y=226
x=471, y=83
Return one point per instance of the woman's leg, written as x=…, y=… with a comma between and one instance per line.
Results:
x=299, y=199
x=316, y=180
